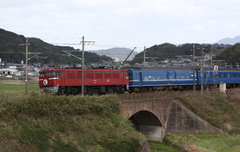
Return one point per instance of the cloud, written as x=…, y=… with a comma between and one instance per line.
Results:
x=122, y=22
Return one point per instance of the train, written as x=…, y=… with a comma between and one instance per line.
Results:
x=104, y=81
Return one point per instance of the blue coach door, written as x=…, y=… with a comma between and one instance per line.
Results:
x=140, y=79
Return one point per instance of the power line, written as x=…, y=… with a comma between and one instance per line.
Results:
x=100, y=45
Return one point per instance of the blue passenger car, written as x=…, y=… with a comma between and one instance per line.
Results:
x=150, y=80
x=147, y=80
x=231, y=78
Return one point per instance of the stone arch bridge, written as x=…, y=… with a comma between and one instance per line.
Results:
x=157, y=116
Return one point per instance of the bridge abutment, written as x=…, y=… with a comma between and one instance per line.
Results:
x=156, y=117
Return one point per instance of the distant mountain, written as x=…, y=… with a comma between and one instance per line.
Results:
x=116, y=53
x=230, y=41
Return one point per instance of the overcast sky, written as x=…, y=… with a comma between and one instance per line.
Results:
x=122, y=23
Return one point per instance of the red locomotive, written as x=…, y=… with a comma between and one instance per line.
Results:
x=96, y=81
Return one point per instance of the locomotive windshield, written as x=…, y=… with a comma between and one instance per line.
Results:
x=52, y=73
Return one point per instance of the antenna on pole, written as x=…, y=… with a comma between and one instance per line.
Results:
x=83, y=42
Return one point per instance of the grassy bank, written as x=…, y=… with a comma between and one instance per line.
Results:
x=204, y=143
x=65, y=123
x=219, y=109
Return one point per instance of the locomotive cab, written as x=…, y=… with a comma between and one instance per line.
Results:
x=49, y=80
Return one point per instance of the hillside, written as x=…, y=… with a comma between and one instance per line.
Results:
x=164, y=51
x=40, y=51
x=231, y=55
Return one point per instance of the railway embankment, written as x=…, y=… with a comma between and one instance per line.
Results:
x=65, y=123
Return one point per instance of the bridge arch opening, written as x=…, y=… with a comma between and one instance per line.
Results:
x=148, y=123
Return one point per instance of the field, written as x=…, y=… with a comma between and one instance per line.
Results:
x=17, y=85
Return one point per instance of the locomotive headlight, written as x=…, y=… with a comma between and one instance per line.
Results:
x=45, y=81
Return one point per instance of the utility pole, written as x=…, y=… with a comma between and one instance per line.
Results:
x=211, y=58
x=194, y=68
x=202, y=72
x=144, y=57
x=26, y=66
x=83, y=43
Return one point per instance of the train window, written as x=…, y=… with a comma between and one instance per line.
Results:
x=206, y=75
x=116, y=75
x=182, y=76
x=211, y=75
x=58, y=74
x=220, y=75
x=70, y=74
x=233, y=75
x=135, y=76
x=130, y=76
x=171, y=77
x=228, y=75
x=89, y=76
x=79, y=74
x=99, y=75
x=52, y=73
x=188, y=77
x=177, y=77
x=107, y=75
x=62, y=74
x=164, y=77
x=145, y=78
x=159, y=77
x=70, y=71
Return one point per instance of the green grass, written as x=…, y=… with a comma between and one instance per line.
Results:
x=65, y=123
x=18, y=85
x=209, y=143
x=213, y=143
x=160, y=147
x=216, y=108
x=31, y=87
